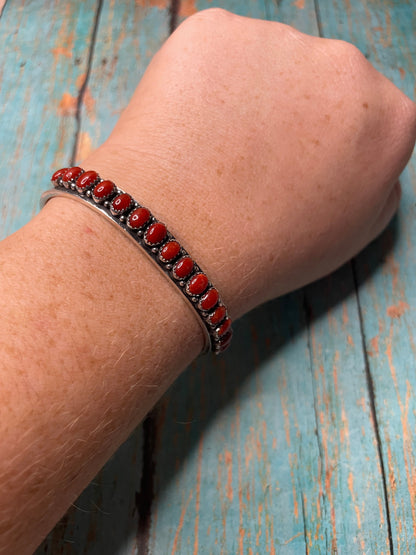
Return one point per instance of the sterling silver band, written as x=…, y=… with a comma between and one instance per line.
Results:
x=211, y=312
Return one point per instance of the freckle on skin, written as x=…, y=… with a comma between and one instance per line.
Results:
x=365, y=105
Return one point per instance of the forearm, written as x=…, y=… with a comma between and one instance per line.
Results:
x=91, y=335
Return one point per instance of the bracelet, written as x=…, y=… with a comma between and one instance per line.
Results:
x=161, y=246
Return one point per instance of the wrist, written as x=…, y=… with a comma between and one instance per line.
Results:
x=176, y=198
x=99, y=335
x=119, y=285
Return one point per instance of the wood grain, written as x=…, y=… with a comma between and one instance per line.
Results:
x=385, y=33
x=301, y=439
x=42, y=66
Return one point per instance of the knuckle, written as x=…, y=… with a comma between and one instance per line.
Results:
x=216, y=13
x=407, y=117
x=210, y=16
x=349, y=53
x=206, y=30
x=409, y=110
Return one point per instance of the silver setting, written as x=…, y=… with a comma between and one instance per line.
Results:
x=86, y=190
x=210, y=286
x=208, y=316
x=104, y=200
x=217, y=330
x=183, y=254
x=196, y=271
x=220, y=341
x=118, y=213
x=153, y=245
x=141, y=228
x=169, y=263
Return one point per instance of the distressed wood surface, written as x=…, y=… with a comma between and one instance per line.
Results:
x=301, y=439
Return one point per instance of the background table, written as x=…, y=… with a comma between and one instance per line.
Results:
x=301, y=439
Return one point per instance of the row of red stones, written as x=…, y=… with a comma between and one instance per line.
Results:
x=166, y=250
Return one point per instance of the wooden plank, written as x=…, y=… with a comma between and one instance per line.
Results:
x=385, y=32
x=129, y=34
x=42, y=75
x=223, y=429
x=105, y=519
x=273, y=449
x=351, y=480
x=41, y=69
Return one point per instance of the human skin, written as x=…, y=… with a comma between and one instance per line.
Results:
x=273, y=160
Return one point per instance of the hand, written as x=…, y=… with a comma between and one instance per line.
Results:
x=274, y=156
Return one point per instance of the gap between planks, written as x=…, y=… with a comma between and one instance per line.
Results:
x=144, y=498
x=371, y=393
x=369, y=378
x=83, y=88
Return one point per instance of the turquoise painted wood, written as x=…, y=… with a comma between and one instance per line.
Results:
x=327, y=494
x=105, y=519
x=385, y=273
x=128, y=35
x=301, y=439
x=44, y=57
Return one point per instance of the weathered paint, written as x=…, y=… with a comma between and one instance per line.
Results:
x=44, y=50
x=302, y=437
x=386, y=34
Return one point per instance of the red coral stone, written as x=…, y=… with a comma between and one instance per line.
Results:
x=121, y=203
x=217, y=316
x=183, y=267
x=224, y=343
x=224, y=328
x=170, y=251
x=209, y=300
x=71, y=173
x=58, y=174
x=197, y=284
x=103, y=190
x=155, y=234
x=138, y=218
x=86, y=180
